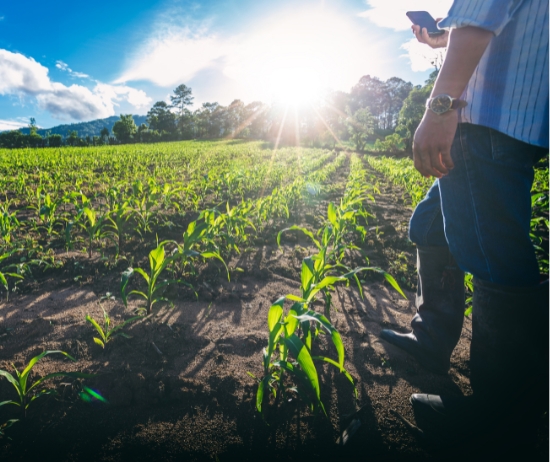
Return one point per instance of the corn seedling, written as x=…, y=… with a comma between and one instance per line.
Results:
x=27, y=392
x=8, y=224
x=4, y=274
x=107, y=333
x=93, y=225
x=294, y=355
x=158, y=262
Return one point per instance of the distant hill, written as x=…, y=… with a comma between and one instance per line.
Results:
x=84, y=129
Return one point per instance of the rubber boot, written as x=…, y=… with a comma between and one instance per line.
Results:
x=437, y=324
x=509, y=372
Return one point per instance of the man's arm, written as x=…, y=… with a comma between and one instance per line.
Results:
x=434, y=136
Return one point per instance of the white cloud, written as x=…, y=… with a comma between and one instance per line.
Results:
x=422, y=57
x=11, y=124
x=278, y=52
x=24, y=76
x=175, y=56
x=391, y=13
x=65, y=67
x=110, y=93
x=21, y=74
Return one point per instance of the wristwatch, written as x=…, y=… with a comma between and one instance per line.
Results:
x=441, y=104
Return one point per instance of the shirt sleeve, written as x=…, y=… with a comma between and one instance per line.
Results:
x=492, y=15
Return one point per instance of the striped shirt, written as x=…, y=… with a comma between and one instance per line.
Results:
x=509, y=88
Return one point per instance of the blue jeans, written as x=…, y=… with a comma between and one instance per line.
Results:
x=482, y=208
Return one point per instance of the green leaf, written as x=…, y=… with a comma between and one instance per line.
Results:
x=3, y=281
x=291, y=323
x=99, y=342
x=394, y=284
x=331, y=213
x=10, y=402
x=126, y=275
x=308, y=272
x=305, y=361
x=143, y=274
x=11, y=379
x=335, y=335
x=32, y=362
x=327, y=281
x=342, y=370
x=156, y=258
x=94, y=323
x=260, y=394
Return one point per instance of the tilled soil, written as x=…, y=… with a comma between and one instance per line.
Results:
x=178, y=389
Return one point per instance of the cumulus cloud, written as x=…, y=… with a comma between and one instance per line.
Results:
x=421, y=57
x=11, y=124
x=391, y=14
x=175, y=55
x=23, y=76
x=269, y=57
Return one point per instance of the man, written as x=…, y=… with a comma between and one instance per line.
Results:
x=485, y=126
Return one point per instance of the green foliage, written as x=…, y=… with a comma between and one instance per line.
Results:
x=392, y=144
x=107, y=333
x=27, y=391
x=125, y=128
x=412, y=111
x=158, y=262
x=291, y=336
x=360, y=126
x=4, y=273
x=161, y=118
x=403, y=173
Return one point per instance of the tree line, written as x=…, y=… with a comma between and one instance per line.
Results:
x=382, y=113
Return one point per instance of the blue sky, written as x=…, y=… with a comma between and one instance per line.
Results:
x=74, y=61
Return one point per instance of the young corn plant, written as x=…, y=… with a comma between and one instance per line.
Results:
x=4, y=274
x=292, y=336
x=27, y=391
x=195, y=238
x=93, y=224
x=107, y=333
x=8, y=224
x=326, y=266
x=158, y=262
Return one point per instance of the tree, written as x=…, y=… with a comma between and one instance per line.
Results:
x=361, y=126
x=413, y=110
x=161, y=118
x=32, y=126
x=55, y=140
x=125, y=128
x=72, y=138
x=104, y=134
x=181, y=98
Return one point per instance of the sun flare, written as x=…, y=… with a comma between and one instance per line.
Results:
x=294, y=57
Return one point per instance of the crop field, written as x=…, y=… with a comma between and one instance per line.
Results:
x=213, y=301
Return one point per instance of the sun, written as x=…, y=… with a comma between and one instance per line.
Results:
x=295, y=56
x=296, y=85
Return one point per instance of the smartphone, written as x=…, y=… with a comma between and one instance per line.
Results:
x=424, y=19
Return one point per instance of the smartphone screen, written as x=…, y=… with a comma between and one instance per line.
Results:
x=424, y=19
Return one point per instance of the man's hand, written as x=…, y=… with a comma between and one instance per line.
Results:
x=432, y=143
x=434, y=41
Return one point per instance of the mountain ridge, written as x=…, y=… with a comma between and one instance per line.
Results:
x=84, y=129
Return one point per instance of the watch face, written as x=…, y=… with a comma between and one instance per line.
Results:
x=441, y=104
